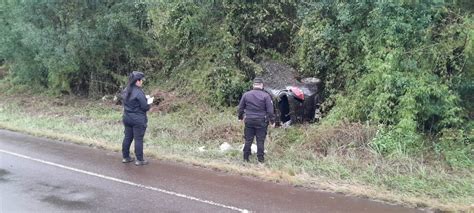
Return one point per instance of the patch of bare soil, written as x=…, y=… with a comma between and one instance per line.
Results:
x=277, y=75
x=167, y=102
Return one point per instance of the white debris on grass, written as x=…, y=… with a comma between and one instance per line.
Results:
x=225, y=147
x=202, y=149
x=253, y=148
x=107, y=97
x=286, y=124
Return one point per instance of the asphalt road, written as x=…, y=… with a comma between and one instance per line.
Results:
x=41, y=175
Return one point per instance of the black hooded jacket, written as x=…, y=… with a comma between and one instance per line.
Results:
x=135, y=107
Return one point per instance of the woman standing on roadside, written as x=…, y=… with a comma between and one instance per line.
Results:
x=135, y=105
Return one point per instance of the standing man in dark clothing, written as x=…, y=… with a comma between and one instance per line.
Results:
x=135, y=105
x=256, y=109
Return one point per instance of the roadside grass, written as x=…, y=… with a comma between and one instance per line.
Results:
x=334, y=158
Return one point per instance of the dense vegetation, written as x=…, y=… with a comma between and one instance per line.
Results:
x=404, y=67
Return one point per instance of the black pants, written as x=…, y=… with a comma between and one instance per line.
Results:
x=137, y=132
x=255, y=128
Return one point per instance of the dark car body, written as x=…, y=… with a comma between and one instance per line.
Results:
x=296, y=103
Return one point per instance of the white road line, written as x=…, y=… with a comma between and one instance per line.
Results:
x=126, y=182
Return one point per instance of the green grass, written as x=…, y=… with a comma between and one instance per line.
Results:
x=291, y=156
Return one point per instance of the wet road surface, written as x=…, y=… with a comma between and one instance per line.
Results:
x=40, y=175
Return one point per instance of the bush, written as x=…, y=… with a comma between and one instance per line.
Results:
x=226, y=86
x=73, y=47
x=395, y=66
x=456, y=146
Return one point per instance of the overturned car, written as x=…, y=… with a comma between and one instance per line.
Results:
x=296, y=104
x=294, y=101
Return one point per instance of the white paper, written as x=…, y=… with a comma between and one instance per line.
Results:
x=150, y=100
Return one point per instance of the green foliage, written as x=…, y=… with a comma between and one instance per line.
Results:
x=456, y=146
x=226, y=85
x=290, y=137
x=260, y=26
x=397, y=65
x=397, y=140
x=217, y=60
x=404, y=67
x=72, y=46
x=328, y=44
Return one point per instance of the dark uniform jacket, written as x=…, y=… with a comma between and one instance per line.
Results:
x=135, y=107
x=256, y=104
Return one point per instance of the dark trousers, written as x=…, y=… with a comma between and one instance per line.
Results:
x=137, y=132
x=255, y=128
